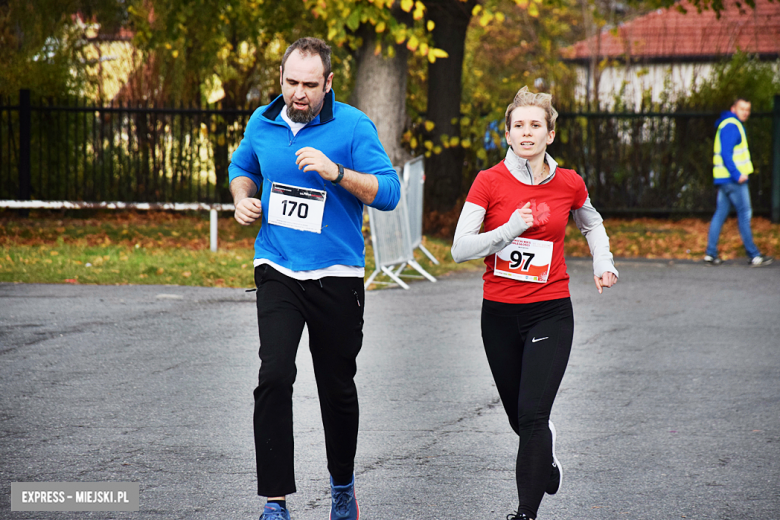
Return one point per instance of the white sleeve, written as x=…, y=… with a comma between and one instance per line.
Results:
x=591, y=225
x=470, y=244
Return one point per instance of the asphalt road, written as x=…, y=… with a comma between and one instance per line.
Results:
x=670, y=407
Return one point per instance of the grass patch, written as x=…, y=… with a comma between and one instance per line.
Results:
x=164, y=248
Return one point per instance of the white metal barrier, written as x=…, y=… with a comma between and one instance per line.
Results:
x=391, y=239
x=170, y=206
x=414, y=179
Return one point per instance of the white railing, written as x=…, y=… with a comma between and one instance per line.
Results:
x=414, y=179
x=392, y=242
x=146, y=206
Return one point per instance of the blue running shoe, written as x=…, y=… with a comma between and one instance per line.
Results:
x=344, y=505
x=274, y=512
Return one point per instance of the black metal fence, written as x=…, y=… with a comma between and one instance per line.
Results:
x=661, y=163
x=638, y=163
x=72, y=150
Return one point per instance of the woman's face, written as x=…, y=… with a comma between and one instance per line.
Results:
x=528, y=135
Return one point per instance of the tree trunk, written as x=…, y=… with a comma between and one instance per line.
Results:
x=380, y=92
x=444, y=171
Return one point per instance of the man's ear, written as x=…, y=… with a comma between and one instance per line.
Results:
x=329, y=83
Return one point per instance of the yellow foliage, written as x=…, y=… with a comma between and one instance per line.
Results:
x=413, y=43
x=419, y=11
x=380, y=27
x=407, y=5
x=430, y=25
x=429, y=125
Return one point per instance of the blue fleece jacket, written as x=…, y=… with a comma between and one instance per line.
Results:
x=729, y=138
x=267, y=155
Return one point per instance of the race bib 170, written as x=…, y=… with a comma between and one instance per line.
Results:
x=525, y=260
x=296, y=208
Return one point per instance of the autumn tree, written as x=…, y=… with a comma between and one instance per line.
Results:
x=42, y=43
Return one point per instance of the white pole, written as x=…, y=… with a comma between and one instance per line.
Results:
x=213, y=233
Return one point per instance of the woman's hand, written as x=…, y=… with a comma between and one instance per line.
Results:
x=608, y=279
x=526, y=214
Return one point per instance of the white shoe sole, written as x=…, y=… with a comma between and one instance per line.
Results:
x=555, y=459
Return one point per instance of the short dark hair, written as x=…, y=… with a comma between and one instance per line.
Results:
x=310, y=46
x=738, y=99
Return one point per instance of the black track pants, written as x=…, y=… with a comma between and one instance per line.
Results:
x=528, y=347
x=332, y=308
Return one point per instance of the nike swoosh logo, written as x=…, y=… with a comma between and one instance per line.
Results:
x=534, y=340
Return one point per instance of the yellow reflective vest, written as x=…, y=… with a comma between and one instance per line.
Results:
x=740, y=154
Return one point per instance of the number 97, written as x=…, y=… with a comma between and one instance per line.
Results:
x=517, y=260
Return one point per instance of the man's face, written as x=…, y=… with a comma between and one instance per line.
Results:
x=304, y=86
x=742, y=109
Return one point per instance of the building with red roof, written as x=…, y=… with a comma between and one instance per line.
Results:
x=671, y=48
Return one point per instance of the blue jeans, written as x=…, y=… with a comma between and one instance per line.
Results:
x=738, y=196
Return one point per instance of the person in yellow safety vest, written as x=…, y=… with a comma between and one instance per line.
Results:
x=731, y=166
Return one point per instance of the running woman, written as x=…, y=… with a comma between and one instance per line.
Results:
x=527, y=321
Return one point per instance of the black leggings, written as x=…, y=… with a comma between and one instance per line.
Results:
x=528, y=347
x=332, y=309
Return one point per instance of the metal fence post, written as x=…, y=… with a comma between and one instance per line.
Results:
x=776, y=160
x=213, y=229
x=25, y=126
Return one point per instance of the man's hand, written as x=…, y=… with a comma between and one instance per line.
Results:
x=743, y=179
x=311, y=159
x=248, y=210
x=608, y=279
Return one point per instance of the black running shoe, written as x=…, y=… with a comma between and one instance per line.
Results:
x=556, y=476
x=516, y=516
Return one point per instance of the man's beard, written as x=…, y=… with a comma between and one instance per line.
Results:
x=300, y=116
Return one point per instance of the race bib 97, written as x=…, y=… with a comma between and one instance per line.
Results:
x=296, y=208
x=525, y=260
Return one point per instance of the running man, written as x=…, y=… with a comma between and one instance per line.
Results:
x=306, y=166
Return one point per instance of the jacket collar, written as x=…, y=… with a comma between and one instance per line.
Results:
x=521, y=169
x=273, y=110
